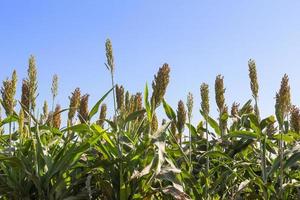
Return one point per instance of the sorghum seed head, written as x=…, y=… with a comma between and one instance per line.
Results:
x=235, y=109
x=159, y=85
x=32, y=82
x=132, y=104
x=173, y=128
x=204, y=90
x=127, y=101
x=49, y=121
x=57, y=117
x=284, y=96
x=249, y=109
x=190, y=104
x=83, y=113
x=120, y=97
x=253, y=78
x=54, y=88
x=25, y=96
x=8, y=92
x=45, y=110
x=138, y=101
x=109, y=55
x=224, y=121
x=21, y=122
x=154, y=123
x=102, y=116
x=219, y=92
x=74, y=103
x=295, y=119
x=181, y=116
x=14, y=80
x=271, y=129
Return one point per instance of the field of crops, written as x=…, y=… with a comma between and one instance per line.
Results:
x=133, y=155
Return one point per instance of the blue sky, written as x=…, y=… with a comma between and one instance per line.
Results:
x=199, y=40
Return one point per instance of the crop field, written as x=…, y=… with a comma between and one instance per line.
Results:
x=137, y=154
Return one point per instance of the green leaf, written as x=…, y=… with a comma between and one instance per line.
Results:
x=254, y=123
x=103, y=133
x=169, y=111
x=285, y=137
x=212, y=123
x=216, y=154
x=192, y=129
x=134, y=115
x=147, y=104
x=292, y=160
x=9, y=119
x=245, y=107
x=77, y=128
x=267, y=121
x=96, y=106
x=243, y=134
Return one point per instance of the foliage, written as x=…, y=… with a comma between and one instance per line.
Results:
x=124, y=157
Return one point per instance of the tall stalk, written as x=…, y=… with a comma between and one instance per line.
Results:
x=282, y=107
x=220, y=100
x=189, y=105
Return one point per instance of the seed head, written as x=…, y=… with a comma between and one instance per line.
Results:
x=253, y=78
x=109, y=55
x=181, y=116
x=49, y=121
x=190, y=104
x=271, y=129
x=127, y=101
x=57, y=117
x=8, y=92
x=45, y=111
x=173, y=128
x=132, y=104
x=120, y=97
x=295, y=119
x=25, y=96
x=14, y=80
x=159, y=85
x=21, y=122
x=154, y=123
x=284, y=98
x=219, y=92
x=224, y=121
x=74, y=103
x=138, y=101
x=102, y=116
x=54, y=88
x=204, y=90
x=32, y=82
x=83, y=113
x=235, y=109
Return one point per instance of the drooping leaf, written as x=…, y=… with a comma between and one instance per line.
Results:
x=95, y=108
x=169, y=111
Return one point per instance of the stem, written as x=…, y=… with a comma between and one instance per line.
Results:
x=190, y=146
x=114, y=94
x=207, y=147
x=262, y=151
x=52, y=109
x=10, y=138
x=118, y=138
x=281, y=163
x=264, y=168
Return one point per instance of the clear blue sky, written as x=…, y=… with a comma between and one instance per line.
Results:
x=199, y=39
